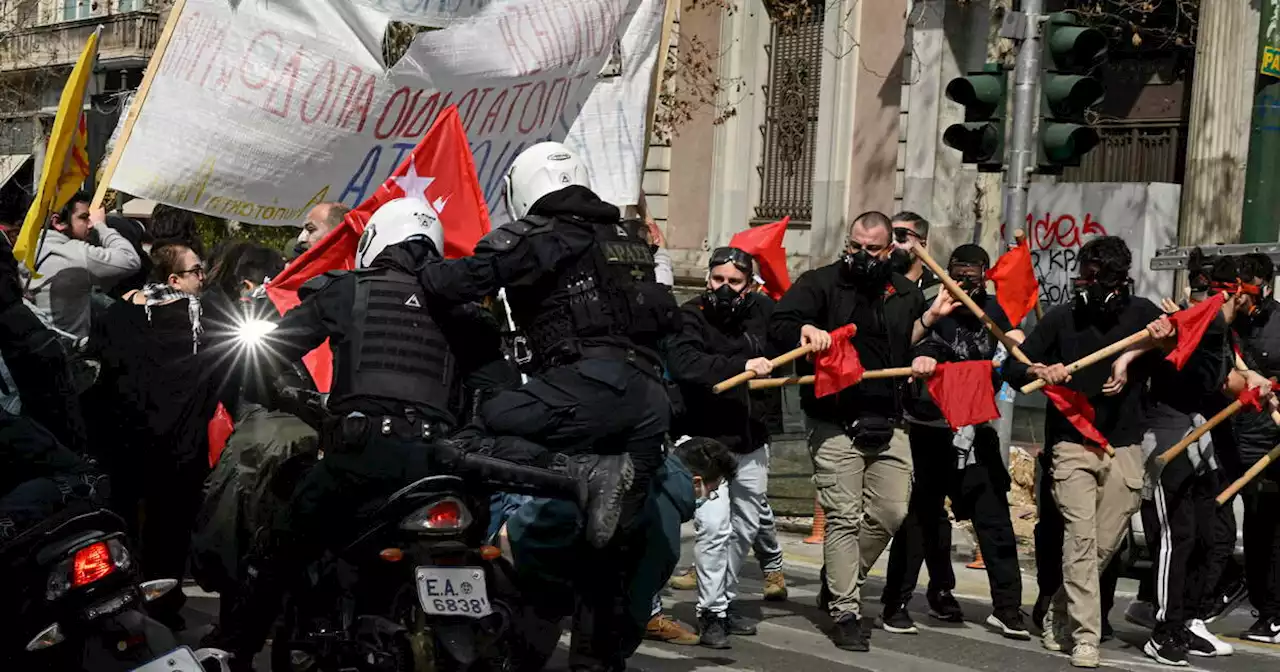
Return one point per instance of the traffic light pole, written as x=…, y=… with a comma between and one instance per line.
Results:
x=1022, y=161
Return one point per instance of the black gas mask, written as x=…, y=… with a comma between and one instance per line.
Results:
x=866, y=269
x=1100, y=291
x=725, y=302
x=972, y=278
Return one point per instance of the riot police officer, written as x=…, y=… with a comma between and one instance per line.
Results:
x=398, y=353
x=580, y=285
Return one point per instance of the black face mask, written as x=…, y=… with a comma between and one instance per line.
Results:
x=900, y=261
x=974, y=287
x=723, y=302
x=865, y=269
x=1098, y=300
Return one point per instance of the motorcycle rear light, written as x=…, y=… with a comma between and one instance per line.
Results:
x=92, y=563
x=443, y=515
x=154, y=589
x=490, y=552
x=391, y=554
x=47, y=638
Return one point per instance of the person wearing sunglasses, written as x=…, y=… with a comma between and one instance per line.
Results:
x=857, y=437
x=725, y=333
x=908, y=228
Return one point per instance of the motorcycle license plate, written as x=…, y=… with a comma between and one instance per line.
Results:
x=178, y=660
x=453, y=591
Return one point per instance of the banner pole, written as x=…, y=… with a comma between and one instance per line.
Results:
x=153, y=66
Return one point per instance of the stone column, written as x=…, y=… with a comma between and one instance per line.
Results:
x=1221, y=106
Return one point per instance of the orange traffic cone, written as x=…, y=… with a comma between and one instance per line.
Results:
x=977, y=561
x=818, y=533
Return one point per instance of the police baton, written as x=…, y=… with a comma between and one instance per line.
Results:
x=968, y=302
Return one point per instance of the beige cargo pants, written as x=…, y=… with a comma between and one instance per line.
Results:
x=1097, y=496
x=864, y=493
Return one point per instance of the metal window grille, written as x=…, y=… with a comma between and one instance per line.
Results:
x=1135, y=151
x=790, y=129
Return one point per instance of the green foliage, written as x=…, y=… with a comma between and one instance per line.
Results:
x=213, y=231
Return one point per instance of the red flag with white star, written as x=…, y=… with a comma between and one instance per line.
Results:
x=438, y=171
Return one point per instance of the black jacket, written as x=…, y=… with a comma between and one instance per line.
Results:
x=707, y=352
x=1064, y=336
x=1259, y=340
x=473, y=336
x=825, y=298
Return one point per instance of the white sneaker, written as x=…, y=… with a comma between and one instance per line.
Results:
x=1142, y=614
x=1085, y=655
x=1201, y=632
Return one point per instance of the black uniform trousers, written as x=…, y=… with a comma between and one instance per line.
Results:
x=1048, y=535
x=1262, y=542
x=327, y=507
x=602, y=406
x=1183, y=530
x=979, y=493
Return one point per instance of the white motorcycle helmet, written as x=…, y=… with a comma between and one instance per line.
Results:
x=395, y=222
x=540, y=170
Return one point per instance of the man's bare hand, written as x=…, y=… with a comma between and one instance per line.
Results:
x=1162, y=328
x=97, y=215
x=1119, y=376
x=761, y=366
x=1053, y=374
x=814, y=338
x=923, y=367
x=1168, y=305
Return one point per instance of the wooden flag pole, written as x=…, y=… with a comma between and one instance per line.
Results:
x=1257, y=468
x=964, y=298
x=1181, y=446
x=1021, y=236
x=1093, y=358
x=748, y=375
x=153, y=67
x=766, y=383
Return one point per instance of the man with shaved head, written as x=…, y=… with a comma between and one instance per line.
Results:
x=320, y=221
x=861, y=456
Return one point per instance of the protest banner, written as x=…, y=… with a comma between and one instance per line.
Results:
x=259, y=111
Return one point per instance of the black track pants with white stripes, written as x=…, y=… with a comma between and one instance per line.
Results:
x=1180, y=522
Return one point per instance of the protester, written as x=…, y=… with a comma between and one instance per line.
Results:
x=855, y=436
x=175, y=225
x=1096, y=494
x=1255, y=435
x=69, y=267
x=320, y=221
x=908, y=227
x=138, y=237
x=153, y=426
x=724, y=334
x=976, y=479
x=1178, y=505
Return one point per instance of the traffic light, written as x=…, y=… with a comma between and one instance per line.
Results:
x=1067, y=91
x=980, y=138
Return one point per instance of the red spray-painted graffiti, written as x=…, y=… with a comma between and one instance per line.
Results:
x=1055, y=239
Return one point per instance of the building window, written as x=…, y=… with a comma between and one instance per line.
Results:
x=791, y=119
x=123, y=6
x=77, y=9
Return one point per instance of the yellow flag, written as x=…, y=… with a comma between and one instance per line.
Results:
x=66, y=161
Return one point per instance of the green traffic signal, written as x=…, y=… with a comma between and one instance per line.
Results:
x=980, y=138
x=1068, y=91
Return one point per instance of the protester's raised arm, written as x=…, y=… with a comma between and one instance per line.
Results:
x=116, y=258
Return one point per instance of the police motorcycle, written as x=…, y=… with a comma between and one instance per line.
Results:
x=419, y=588
x=80, y=604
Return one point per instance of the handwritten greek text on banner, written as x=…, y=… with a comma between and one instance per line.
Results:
x=261, y=110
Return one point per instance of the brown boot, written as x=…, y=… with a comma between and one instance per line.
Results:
x=775, y=587
x=686, y=581
x=663, y=628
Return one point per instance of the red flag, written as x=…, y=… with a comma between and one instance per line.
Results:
x=220, y=428
x=1017, y=290
x=964, y=393
x=439, y=170
x=1251, y=398
x=765, y=244
x=838, y=366
x=1078, y=411
x=1191, y=324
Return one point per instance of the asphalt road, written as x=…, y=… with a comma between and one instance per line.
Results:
x=792, y=633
